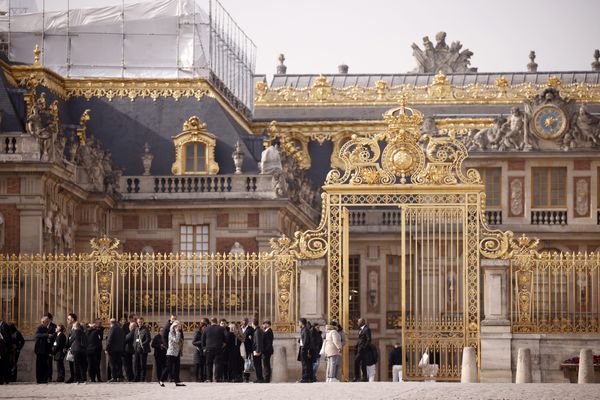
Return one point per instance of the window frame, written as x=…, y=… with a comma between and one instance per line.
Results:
x=485, y=172
x=548, y=199
x=195, y=168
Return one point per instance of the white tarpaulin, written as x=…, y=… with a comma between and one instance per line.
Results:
x=154, y=39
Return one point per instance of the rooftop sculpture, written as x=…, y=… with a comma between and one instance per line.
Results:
x=444, y=58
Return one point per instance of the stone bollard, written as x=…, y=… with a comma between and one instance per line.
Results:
x=586, y=366
x=468, y=373
x=280, y=370
x=523, y=366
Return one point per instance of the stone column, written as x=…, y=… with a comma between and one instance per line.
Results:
x=468, y=373
x=312, y=289
x=524, y=366
x=586, y=366
x=496, y=334
x=279, y=364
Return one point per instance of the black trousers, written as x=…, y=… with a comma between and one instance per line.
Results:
x=307, y=370
x=214, y=360
x=159, y=364
x=41, y=368
x=257, y=360
x=266, y=364
x=60, y=370
x=5, y=367
x=172, y=370
x=128, y=366
x=360, y=366
x=201, y=369
x=116, y=365
x=80, y=366
x=139, y=366
x=50, y=372
x=92, y=367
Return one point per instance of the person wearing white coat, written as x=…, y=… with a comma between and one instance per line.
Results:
x=332, y=349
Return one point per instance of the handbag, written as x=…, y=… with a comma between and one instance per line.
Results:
x=322, y=352
x=243, y=351
x=70, y=356
x=248, y=365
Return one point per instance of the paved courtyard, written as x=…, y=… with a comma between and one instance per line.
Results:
x=292, y=391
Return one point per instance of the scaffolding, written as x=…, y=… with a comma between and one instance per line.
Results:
x=171, y=39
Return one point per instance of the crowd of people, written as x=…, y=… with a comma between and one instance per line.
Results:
x=222, y=351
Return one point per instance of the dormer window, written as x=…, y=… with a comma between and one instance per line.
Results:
x=195, y=150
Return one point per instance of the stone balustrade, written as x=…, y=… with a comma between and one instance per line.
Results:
x=18, y=147
x=549, y=217
x=493, y=217
x=196, y=186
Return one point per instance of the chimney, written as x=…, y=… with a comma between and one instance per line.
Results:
x=532, y=66
x=342, y=69
x=596, y=63
x=281, y=68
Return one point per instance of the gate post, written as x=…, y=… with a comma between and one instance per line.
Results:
x=496, y=334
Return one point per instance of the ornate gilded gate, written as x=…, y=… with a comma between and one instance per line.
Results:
x=443, y=231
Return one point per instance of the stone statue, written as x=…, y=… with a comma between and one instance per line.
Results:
x=532, y=65
x=39, y=126
x=444, y=58
x=237, y=249
x=587, y=126
x=281, y=68
x=487, y=138
x=270, y=160
x=48, y=222
x=280, y=186
x=68, y=238
x=514, y=131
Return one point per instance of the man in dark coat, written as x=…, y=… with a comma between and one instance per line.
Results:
x=41, y=350
x=78, y=346
x=305, y=352
x=213, y=341
x=94, y=335
x=248, y=332
x=71, y=319
x=257, y=349
x=395, y=362
x=58, y=352
x=199, y=357
x=160, y=352
x=267, y=350
x=18, y=341
x=142, y=348
x=362, y=346
x=128, y=351
x=51, y=330
x=316, y=343
x=5, y=345
x=115, y=345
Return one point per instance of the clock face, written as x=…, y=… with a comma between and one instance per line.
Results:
x=549, y=122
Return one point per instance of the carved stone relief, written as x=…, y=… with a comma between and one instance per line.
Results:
x=582, y=197
x=516, y=196
x=444, y=58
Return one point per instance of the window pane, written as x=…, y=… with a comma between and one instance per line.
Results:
x=540, y=187
x=200, y=157
x=189, y=157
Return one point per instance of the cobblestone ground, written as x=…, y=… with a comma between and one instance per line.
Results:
x=292, y=391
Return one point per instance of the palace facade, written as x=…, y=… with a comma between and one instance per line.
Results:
x=210, y=157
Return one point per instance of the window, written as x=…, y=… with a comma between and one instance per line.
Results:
x=393, y=284
x=354, y=286
x=493, y=185
x=193, y=239
x=195, y=157
x=549, y=187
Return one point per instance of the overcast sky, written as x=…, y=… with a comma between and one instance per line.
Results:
x=375, y=35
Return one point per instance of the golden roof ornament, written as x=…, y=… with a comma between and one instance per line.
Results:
x=36, y=55
x=194, y=124
x=553, y=81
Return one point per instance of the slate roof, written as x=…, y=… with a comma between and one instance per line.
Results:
x=514, y=78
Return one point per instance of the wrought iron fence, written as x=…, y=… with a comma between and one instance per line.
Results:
x=106, y=283
x=554, y=292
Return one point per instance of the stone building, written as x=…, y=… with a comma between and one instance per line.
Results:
x=196, y=163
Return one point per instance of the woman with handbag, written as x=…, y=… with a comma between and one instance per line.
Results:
x=58, y=352
x=175, y=345
x=237, y=353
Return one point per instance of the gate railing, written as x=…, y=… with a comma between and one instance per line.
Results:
x=554, y=292
x=106, y=284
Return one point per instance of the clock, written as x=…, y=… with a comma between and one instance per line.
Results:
x=549, y=122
